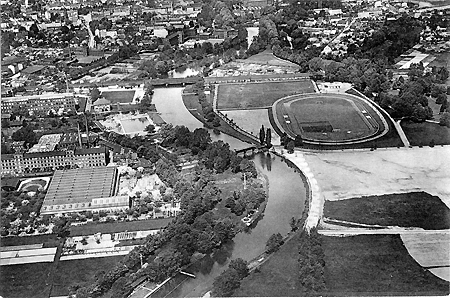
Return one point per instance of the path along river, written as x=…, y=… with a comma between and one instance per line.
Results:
x=287, y=195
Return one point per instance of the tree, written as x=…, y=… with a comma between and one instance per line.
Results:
x=293, y=224
x=262, y=135
x=436, y=90
x=5, y=123
x=445, y=119
x=216, y=122
x=274, y=242
x=95, y=94
x=444, y=107
x=298, y=142
x=62, y=227
x=290, y=146
x=440, y=98
x=269, y=138
x=225, y=284
x=25, y=134
x=315, y=64
x=34, y=30
x=150, y=128
x=240, y=266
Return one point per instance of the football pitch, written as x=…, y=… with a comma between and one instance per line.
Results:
x=327, y=117
x=258, y=95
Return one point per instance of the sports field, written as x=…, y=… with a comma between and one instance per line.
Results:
x=327, y=117
x=258, y=95
x=124, y=96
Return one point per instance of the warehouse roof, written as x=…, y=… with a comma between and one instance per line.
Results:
x=81, y=185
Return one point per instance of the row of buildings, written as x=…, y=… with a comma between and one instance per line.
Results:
x=41, y=103
x=24, y=163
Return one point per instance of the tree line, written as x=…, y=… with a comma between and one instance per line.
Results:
x=196, y=229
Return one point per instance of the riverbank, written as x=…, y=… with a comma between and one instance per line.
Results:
x=192, y=104
x=271, y=274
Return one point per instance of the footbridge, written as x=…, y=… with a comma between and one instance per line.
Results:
x=253, y=149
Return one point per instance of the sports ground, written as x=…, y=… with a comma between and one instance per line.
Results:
x=258, y=94
x=328, y=118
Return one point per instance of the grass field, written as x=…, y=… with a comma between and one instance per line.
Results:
x=442, y=59
x=251, y=121
x=258, y=95
x=194, y=107
x=25, y=280
x=115, y=227
x=267, y=58
x=277, y=277
x=124, y=96
x=346, y=120
x=49, y=240
x=416, y=209
x=376, y=265
x=435, y=108
x=73, y=272
x=421, y=134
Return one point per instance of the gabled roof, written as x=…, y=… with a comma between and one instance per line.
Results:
x=101, y=101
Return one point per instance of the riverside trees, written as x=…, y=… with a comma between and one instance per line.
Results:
x=226, y=283
x=311, y=263
x=198, y=228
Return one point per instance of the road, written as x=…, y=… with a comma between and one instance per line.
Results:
x=337, y=37
x=351, y=232
x=401, y=133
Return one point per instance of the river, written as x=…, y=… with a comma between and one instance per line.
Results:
x=287, y=195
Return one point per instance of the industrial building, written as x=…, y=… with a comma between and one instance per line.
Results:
x=86, y=189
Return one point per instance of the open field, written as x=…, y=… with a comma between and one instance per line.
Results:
x=115, y=227
x=251, y=121
x=419, y=247
x=49, y=240
x=421, y=134
x=267, y=58
x=331, y=117
x=435, y=108
x=374, y=265
x=442, y=59
x=417, y=209
x=69, y=273
x=25, y=280
x=277, y=277
x=350, y=174
x=258, y=95
x=125, y=96
x=194, y=107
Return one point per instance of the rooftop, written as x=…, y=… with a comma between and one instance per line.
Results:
x=33, y=69
x=81, y=185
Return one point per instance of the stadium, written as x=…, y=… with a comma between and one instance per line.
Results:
x=328, y=118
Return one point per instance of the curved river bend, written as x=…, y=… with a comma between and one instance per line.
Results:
x=287, y=195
